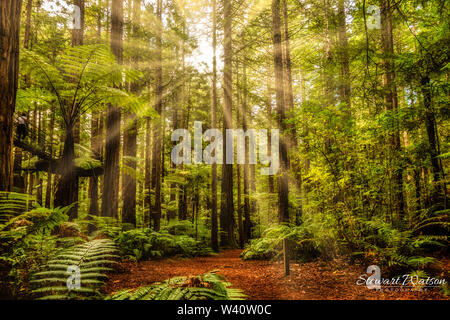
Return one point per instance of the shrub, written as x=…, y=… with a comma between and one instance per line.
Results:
x=306, y=242
x=210, y=286
x=142, y=244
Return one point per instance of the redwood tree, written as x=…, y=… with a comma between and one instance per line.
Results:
x=227, y=205
x=110, y=201
x=10, y=12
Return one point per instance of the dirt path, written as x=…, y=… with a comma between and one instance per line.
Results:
x=262, y=280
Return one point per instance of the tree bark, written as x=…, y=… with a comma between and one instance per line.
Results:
x=156, y=178
x=430, y=124
x=214, y=222
x=130, y=137
x=391, y=104
x=247, y=166
x=110, y=201
x=283, y=188
x=227, y=206
x=10, y=13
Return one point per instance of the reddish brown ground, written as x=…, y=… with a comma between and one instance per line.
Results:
x=263, y=279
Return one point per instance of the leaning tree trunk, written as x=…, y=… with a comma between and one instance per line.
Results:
x=10, y=12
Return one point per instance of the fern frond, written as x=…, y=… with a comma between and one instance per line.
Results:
x=91, y=258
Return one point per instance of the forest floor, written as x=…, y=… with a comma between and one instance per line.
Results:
x=265, y=280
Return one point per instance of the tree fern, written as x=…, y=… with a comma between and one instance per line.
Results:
x=210, y=286
x=92, y=258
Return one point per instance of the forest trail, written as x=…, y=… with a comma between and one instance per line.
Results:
x=263, y=280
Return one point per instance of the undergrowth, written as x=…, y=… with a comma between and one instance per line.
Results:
x=209, y=286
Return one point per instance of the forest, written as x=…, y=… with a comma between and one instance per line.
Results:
x=224, y=149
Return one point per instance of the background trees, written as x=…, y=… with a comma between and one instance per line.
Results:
x=362, y=114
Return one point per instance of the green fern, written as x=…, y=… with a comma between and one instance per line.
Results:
x=12, y=204
x=210, y=286
x=93, y=259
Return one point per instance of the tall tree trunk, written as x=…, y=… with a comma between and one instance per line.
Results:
x=283, y=187
x=239, y=166
x=96, y=144
x=182, y=196
x=344, y=83
x=430, y=124
x=110, y=201
x=147, y=174
x=19, y=179
x=289, y=104
x=39, y=188
x=156, y=178
x=247, y=207
x=391, y=104
x=10, y=13
x=130, y=137
x=227, y=207
x=171, y=212
x=67, y=186
x=93, y=181
x=271, y=185
x=48, y=192
x=214, y=222
x=62, y=199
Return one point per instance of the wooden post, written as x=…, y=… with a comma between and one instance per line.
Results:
x=286, y=256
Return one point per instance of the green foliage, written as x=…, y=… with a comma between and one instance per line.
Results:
x=12, y=203
x=26, y=240
x=92, y=258
x=196, y=230
x=142, y=244
x=384, y=244
x=306, y=242
x=209, y=286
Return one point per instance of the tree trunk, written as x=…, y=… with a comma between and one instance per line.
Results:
x=130, y=138
x=110, y=201
x=19, y=179
x=391, y=104
x=67, y=186
x=227, y=206
x=283, y=188
x=247, y=166
x=289, y=104
x=182, y=196
x=430, y=124
x=10, y=13
x=214, y=223
x=344, y=83
x=239, y=166
x=48, y=192
x=271, y=185
x=147, y=174
x=156, y=178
